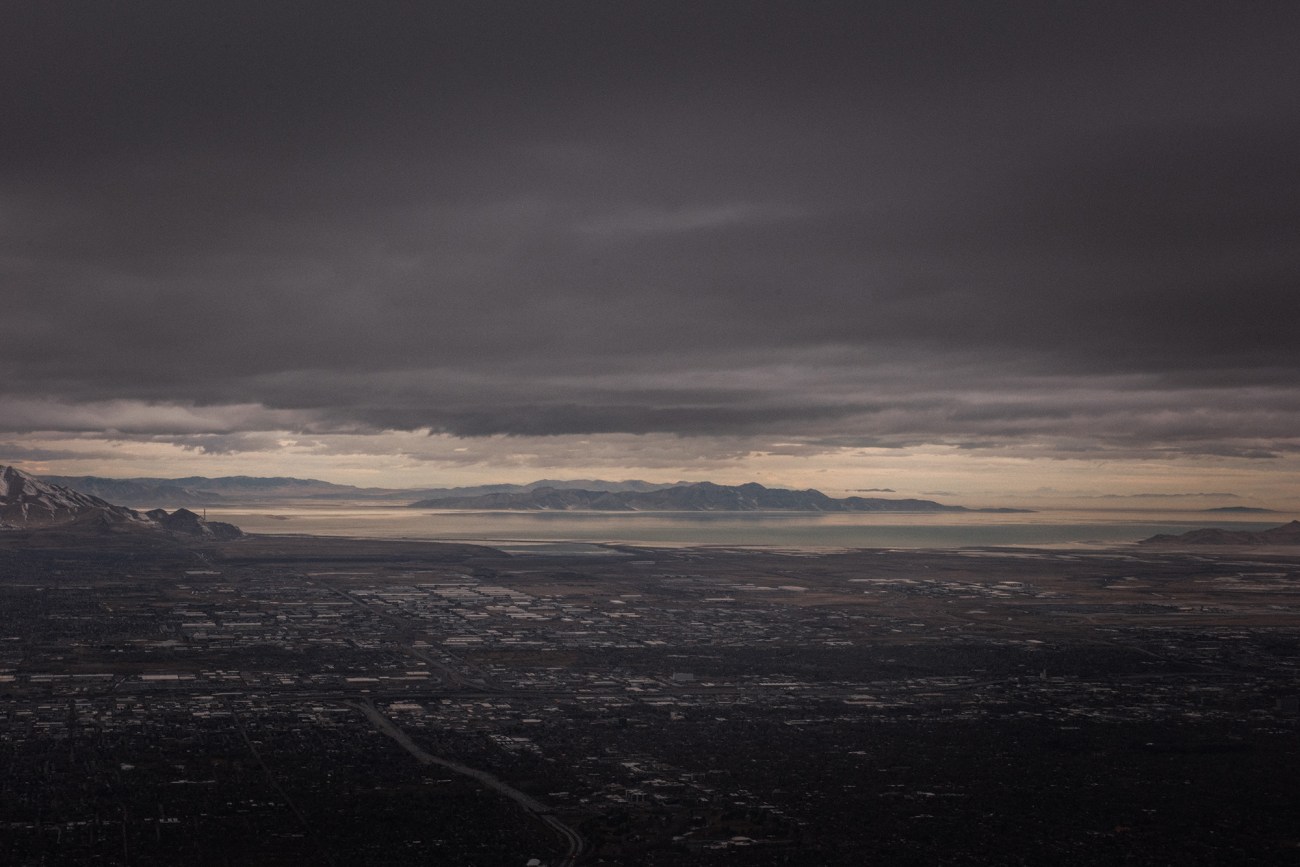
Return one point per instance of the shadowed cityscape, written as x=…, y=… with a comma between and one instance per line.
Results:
x=179, y=691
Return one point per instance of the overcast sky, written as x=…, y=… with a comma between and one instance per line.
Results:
x=989, y=247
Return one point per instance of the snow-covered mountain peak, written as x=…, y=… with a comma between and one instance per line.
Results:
x=27, y=501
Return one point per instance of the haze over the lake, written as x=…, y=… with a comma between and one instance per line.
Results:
x=994, y=254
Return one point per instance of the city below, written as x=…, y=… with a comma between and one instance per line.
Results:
x=274, y=700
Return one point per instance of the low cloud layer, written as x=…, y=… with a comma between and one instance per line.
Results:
x=1023, y=230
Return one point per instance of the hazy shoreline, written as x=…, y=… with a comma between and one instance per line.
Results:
x=788, y=530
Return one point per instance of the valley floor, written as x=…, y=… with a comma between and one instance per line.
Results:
x=299, y=700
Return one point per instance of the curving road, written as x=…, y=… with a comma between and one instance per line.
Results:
x=576, y=844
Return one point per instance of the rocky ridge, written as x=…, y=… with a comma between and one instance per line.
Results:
x=27, y=503
x=1287, y=534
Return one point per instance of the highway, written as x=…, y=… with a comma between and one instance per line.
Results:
x=573, y=840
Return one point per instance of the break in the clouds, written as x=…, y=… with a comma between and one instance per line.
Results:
x=1028, y=229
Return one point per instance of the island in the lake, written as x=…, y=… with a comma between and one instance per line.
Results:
x=695, y=497
x=1287, y=534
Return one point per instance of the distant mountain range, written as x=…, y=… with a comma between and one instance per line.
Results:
x=1287, y=534
x=137, y=492
x=628, y=495
x=1242, y=510
x=696, y=497
x=598, y=485
x=201, y=490
x=28, y=503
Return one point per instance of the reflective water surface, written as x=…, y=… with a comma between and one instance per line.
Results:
x=781, y=529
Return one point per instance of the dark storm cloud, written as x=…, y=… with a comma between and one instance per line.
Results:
x=854, y=223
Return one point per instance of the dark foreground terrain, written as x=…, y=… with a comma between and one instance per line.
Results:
x=277, y=701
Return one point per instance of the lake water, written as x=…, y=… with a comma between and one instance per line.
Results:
x=744, y=529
